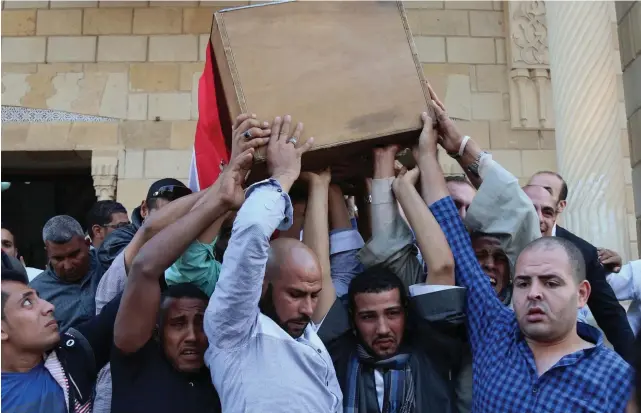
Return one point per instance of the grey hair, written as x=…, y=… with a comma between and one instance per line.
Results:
x=61, y=229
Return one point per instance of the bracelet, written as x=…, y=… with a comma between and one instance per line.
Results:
x=461, y=150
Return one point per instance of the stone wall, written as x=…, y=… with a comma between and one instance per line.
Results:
x=629, y=25
x=139, y=62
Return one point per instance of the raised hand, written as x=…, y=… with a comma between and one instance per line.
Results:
x=451, y=137
x=428, y=140
x=384, y=161
x=284, y=151
x=230, y=191
x=248, y=132
x=405, y=179
x=315, y=178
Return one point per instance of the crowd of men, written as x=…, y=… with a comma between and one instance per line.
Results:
x=438, y=294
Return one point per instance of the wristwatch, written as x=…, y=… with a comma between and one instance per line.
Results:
x=473, y=168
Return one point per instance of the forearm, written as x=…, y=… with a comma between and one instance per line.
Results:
x=470, y=154
x=433, y=185
x=168, y=245
x=429, y=237
x=339, y=215
x=209, y=235
x=233, y=307
x=316, y=237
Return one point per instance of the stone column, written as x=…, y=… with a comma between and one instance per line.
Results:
x=588, y=124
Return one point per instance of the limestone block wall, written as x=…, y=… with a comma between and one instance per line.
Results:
x=140, y=61
x=629, y=26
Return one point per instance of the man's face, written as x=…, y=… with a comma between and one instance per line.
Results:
x=70, y=260
x=8, y=244
x=295, y=295
x=462, y=194
x=183, y=337
x=545, y=207
x=146, y=211
x=546, y=296
x=28, y=324
x=380, y=321
x=118, y=220
x=553, y=183
x=493, y=260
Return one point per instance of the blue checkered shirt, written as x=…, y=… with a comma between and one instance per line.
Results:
x=505, y=376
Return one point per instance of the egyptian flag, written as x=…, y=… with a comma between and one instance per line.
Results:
x=210, y=151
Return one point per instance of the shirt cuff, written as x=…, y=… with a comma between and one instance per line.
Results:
x=422, y=289
x=346, y=239
x=272, y=185
x=485, y=164
x=382, y=191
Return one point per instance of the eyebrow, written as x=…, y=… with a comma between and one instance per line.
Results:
x=544, y=276
x=28, y=294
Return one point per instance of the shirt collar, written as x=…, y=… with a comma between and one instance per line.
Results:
x=554, y=230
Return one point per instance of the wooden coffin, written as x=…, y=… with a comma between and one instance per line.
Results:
x=348, y=70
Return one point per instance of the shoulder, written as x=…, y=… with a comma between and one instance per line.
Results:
x=576, y=240
x=44, y=279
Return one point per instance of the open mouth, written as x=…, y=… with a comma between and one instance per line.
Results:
x=493, y=281
x=191, y=353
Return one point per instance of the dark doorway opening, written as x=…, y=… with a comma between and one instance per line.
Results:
x=44, y=184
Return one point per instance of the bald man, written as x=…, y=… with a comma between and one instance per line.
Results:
x=264, y=355
x=291, y=285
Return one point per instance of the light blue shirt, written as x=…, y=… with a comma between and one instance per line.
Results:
x=255, y=365
x=197, y=265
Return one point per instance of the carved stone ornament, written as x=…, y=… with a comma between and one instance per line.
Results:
x=529, y=66
x=105, y=177
x=529, y=34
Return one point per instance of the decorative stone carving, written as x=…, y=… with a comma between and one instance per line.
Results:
x=529, y=66
x=104, y=170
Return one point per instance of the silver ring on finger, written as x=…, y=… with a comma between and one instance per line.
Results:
x=247, y=134
x=292, y=140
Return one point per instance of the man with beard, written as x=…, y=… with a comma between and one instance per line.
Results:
x=264, y=355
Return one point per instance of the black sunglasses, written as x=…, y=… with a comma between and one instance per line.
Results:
x=171, y=192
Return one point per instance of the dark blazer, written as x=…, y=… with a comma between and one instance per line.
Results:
x=605, y=307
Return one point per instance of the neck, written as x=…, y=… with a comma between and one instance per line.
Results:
x=567, y=344
x=18, y=362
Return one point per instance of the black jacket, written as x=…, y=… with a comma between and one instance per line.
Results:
x=84, y=350
x=118, y=240
x=605, y=307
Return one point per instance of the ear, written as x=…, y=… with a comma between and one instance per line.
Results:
x=88, y=241
x=561, y=206
x=95, y=230
x=144, y=210
x=583, y=293
x=5, y=336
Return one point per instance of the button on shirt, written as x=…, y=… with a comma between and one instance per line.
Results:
x=74, y=302
x=255, y=365
x=505, y=375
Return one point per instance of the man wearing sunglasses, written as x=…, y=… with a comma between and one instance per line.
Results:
x=103, y=218
x=160, y=193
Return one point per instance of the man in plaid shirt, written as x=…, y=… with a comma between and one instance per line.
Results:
x=536, y=358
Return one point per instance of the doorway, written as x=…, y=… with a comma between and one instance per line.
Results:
x=44, y=184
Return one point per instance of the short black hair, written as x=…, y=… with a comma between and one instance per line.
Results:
x=563, y=195
x=11, y=275
x=375, y=280
x=182, y=290
x=577, y=261
x=101, y=212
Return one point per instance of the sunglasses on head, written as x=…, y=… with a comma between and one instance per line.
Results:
x=171, y=192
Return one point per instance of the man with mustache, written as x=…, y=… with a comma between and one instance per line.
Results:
x=264, y=355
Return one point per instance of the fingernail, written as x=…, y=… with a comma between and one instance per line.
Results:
x=288, y=118
x=253, y=115
x=265, y=124
x=277, y=119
